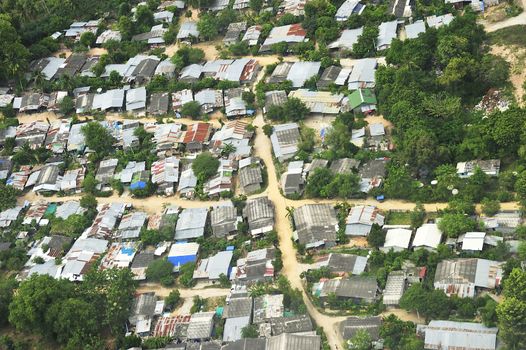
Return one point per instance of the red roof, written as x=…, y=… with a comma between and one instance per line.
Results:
x=248, y=71
x=296, y=29
x=198, y=132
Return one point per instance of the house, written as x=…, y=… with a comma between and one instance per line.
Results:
x=428, y=236
x=132, y=168
x=343, y=263
x=386, y=34
x=5, y=167
x=351, y=325
x=316, y=225
x=246, y=343
x=142, y=312
x=291, y=325
x=9, y=215
x=30, y=102
x=250, y=179
x=19, y=179
x=47, y=179
x=140, y=264
x=321, y=102
x=292, y=33
x=439, y=21
x=302, y=71
x=412, y=31
x=259, y=213
x=294, y=7
x=237, y=314
x=504, y=221
x=136, y=101
x=235, y=133
x=257, y=266
x=34, y=134
x=187, y=183
x=72, y=180
x=154, y=37
x=363, y=74
x=196, y=136
x=443, y=335
x=266, y=307
x=348, y=8
x=316, y=163
x=191, y=223
x=119, y=255
x=164, y=16
x=76, y=29
x=347, y=39
x=131, y=225
x=287, y=341
x=191, y=73
x=280, y=72
x=188, y=31
x=159, y=102
x=143, y=71
x=57, y=136
x=490, y=167
x=292, y=181
x=166, y=69
x=183, y=253
x=327, y=77
x=106, y=171
x=209, y=99
x=464, y=276
x=214, y=266
x=344, y=165
x=165, y=173
x=106, y=220
x=274, y=98
x=361, y=219
x=252, y=35
x=400, y=9
x=363, y=101
x=71, y=65
x=81, y=256
x=397, y=239
x=360, y=289
x=107, y=35
x=372, y=174
x=394, y=288
x=223, y=220
x=172, y=326
x=109, y=100
x=201, y=326
x=472, y=241
x=235, y=106
x=233, y=32
x=285, y=139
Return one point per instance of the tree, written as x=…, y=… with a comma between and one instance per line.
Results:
x=8, y=196
x=376, y=238
x=187, y=55
x=160, y=270
x=208, y=26
x=173, y=299
x=7, y=288
x=430, y=304
x=267, y=129
x=144, y=18
x=13, y=55
x=255, y=5
x=454, y=224
x=490, y=207
x=489, y=313
x=191, y=109
x=88, y=201
x=360, y=341
x=98, y=138
x=73, y=317
x=511, y=313
x=366, y=44
x=249, y=331
x=186, y=273
x=89, y=184
x=87, y=39
x=418, y=216
x=338, y=139
x=67, y=105
x=395, y=332
x=205, y=166
x=399, y=183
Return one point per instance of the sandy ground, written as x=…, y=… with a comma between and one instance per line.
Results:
x=372, y=119
x=516, y=57
x=493, y=26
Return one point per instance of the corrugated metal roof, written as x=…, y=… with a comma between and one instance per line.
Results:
x=413, y=30
x=459, y=335
x=301, y=71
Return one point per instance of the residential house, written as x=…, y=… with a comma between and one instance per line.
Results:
x=357, y=288
x=386, y=34
x=443, y=335
x=209, y=99
x=107, y=35
x=250, y=179
x=233, y=32
x=71, y=181
x=131, y=225
x=294, y=342
x=47, y=179
x=132, y=168
x=257, y=266
x=196, y=136
x=81, y=256
x=159, y=102
x=106, y=171
x=504, y=221
x=292, y=33
x=109, y=100
x=372, y=174
x=400, y=8
x=320, y=102
x=266, y=307
x=348, y=8
x=465, y=276
x=57, y=136
x=165, y=173
x=188, y=31
x=397, y=239
x=187, y=183
x=5, y=167
x=140, y=264
x=76, y=29
x=142, y=312
x=119, y=255
x=280, y=72
x=155, y=37
x=166, y=69
x=71, y=66
x=302, y=71
x=136, y=101
x=235, y=106
x=394, y=288
x=343, y=263
x=180, y=98
x=246, y=343
x=439, y=21
x=316, y=163
x=292, y=181
x=183, y=253
x=33, y=134
x=294, y=7
x=428, y=236
x=191, y=223
x=361, y=219
x=346, y=41
x=316, y=225
x=223, y=220
x=328, y=76
x=214, y=266
x=164, y=16
x=285, y=139
x=76, y=141
x=344, y=165
x=363, y=101
x=298, y=324
x=237, y=314
x=252, y=35
x=200, y=326
x=412, y=31
x=352, y=325
x=490, y=167
x=235, y=133
x=104, y=223
x=9, y=215
x=363, y=74
x=259, y=213
x=191, y=74
x=30, y=102
x=274, y=98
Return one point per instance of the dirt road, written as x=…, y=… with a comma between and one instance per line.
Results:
x=513, y=21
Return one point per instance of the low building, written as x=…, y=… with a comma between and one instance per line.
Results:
x=106, y=171
x=201, y=326
x=344, y=165
x=285, y=139
x=250, y=179
x=47, y=179
x=361, y=219
x=360, y=289
x=259, y=213
x=472, y=241
x=154, y=37
x=165, y=173
x=159, y=103
x=197, y=136
x=209, y=99
x=412, y=31
x=107, y=35
x=302, y=71
x=267, y=307
x=187, y=183
x=188, y=31
x=316, y=225
x=372, y=174
x=191, y=73
x=274, y=98
x=490, y=167
x=292, y=181
x=320, y=102
x=346, y=41
x=465, y=276
x=328, y=76
x=252, y=35
x=140, y=264
x=363, y=101
x=183, y=253
x=294, y=341
x=223, y=220
x=397, y=239
x=343, y=263
x=214, y=266
x=136, y=101
x=291, y=325
x=233, y=32
x=237, y=314
x=257, y=266
x=352, y=325
x=348, y=8
x=131, y=225
x=82, y=255
x=439, y=21
x=443, y=335
x=394, y=288
x=363, y=74
x=280, y=73
x=292, y=33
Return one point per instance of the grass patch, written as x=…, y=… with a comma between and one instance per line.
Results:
x=398, y=218
x=509, y=36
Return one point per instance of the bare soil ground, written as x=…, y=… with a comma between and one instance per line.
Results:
x=516, y=57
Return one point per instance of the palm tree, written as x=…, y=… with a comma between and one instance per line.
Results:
x=228, y=148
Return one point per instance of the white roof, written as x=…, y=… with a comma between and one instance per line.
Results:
x=386, y=34
x=347, y=39
x=412, y=30
x=459, y=335
x=109, y=99
x=473, y=241
x=183, y=249
x=300, y=72
x=188, y=29
x=428, y=235
x=439, y=21
x=363, y=74
x=376, y=129
x=136, y=99
x=397, y=238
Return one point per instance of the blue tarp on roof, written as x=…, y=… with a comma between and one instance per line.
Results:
x=181, y=260
x=138, y=185
x=230, y=248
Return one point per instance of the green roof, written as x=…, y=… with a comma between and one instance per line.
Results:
x=362, y=96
